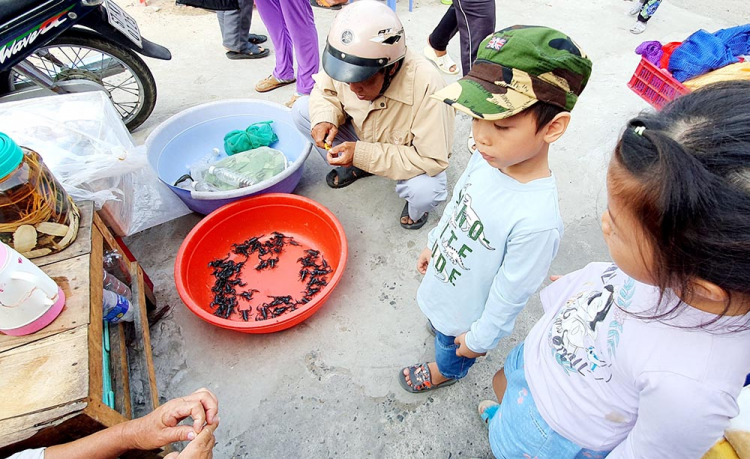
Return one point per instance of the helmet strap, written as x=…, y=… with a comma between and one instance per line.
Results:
x=388, y=78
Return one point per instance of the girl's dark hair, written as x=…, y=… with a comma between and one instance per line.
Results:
x=691, y=163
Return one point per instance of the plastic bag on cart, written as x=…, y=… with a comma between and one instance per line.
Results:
x=83, y=141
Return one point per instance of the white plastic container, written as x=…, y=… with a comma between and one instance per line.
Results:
x=29, y=299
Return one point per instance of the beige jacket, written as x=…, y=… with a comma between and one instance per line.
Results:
x=404, y=133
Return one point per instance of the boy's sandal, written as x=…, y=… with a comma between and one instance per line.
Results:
x=443, y=63
x=256, y=39
x=270, y=83
x=421, y=379
x=253, y=52
x=324, y=5
x=487, y=409
x=346, y=176
x=412, y=226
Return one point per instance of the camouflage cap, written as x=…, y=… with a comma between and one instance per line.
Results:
x=515, y=68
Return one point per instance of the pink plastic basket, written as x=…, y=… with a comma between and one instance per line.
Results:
x=654, y=85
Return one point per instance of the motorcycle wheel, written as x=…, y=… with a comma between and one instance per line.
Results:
x=80, y=54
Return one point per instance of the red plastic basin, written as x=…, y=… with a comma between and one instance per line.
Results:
x=311, y=225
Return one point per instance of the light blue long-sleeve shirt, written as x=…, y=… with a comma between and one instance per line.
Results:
x=491, y=251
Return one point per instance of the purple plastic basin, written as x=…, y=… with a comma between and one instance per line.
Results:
x=189, y=135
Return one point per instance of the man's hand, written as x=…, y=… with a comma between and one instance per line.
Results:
x=323, y=134
x=463, y=350
x=200, y=448
x=342, y=154
x=424, y=260
x=162, y=426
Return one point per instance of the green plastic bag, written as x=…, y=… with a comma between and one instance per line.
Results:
x=253, y=166
x=256, y=135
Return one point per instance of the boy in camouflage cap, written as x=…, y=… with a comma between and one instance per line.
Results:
x=500, y=231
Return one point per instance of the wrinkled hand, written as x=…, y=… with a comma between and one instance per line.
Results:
x=162, y=426
x=424, y=260
x=463, y=350
x=324, y=133
x=200, y=448
x=342, y=154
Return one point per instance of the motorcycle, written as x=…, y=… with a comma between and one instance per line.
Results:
x=68, y=46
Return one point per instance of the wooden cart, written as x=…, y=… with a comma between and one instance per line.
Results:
x=51, y=382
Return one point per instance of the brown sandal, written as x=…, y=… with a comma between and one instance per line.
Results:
x=271, y=83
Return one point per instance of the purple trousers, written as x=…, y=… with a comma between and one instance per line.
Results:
x=291, y=25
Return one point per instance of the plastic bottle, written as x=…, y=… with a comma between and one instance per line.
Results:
x=230, y=177
x=37, y=217
x=115, y=264
x=117, y=308
x=199, y=168
x=114, y=284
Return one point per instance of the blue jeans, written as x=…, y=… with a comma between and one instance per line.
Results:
x=517, y=430
x=450, y=365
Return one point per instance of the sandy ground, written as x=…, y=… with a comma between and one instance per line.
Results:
x=327, y=388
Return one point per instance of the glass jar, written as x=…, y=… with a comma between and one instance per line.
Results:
x=37, y=217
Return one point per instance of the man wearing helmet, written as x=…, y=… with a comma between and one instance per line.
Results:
x=370, y=112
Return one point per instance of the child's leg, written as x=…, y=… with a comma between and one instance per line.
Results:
x=448, y=367
x=648, y=10
x=517, y=429
x=499, y=384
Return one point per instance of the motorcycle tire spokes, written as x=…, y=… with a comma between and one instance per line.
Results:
x=118, y=70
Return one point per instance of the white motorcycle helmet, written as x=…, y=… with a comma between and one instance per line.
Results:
x=365, y=36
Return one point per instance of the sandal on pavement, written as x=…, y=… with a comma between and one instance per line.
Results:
x=270, y=83
x=417, y=224
x=253, y=52
x=487, y=409
x=421, y=379
x=324, y=5
x=346, y=176
x=294, y=99
x=443, y=63
x=256, y=39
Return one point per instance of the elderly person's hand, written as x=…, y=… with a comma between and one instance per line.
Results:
x=158, y=428
x=200, y=448
x=342, y=154
x=162, y=426
x=323, y=134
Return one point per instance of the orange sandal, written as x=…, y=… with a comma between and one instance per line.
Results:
x=324, y=5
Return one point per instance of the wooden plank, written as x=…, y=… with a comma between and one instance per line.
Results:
x=102, y=414
x=45, y=374
x=73, y=277
x=136, y=269
x=82, y=243
x=119, y=358
x=24, y=427
x=109, y=240
x=143, y=393
x=95, y=317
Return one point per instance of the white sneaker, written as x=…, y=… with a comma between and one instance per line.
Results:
x=636, y=9
x=638, y=28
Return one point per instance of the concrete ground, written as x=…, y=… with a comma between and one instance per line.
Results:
x=328, y=388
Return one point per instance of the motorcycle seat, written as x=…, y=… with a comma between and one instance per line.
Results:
x=14, y=9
